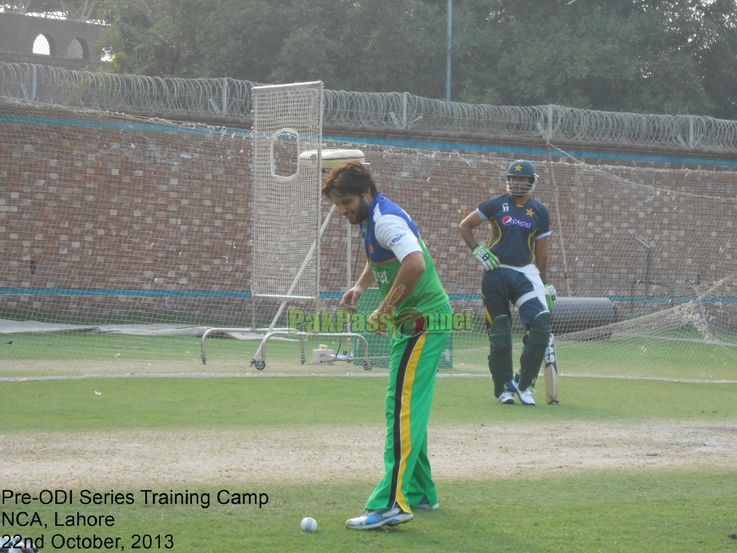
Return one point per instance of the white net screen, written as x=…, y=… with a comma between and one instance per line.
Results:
x=286, y=192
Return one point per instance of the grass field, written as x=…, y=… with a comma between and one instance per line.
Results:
x=80, y=353
x=684, y=508
x=496, y=494
x=609, y=512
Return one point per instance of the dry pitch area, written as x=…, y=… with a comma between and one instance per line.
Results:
x=130, y=459
x=350, y=453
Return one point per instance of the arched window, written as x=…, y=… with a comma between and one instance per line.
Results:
x=43, y=45
x=78, y=49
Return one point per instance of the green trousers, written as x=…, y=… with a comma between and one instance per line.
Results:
x=412, y=371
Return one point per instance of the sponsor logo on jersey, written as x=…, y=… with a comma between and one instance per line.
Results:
x=397, y=238
x=508, y=220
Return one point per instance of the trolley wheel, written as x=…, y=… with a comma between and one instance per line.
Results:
x=260, y=364
x=367, y=366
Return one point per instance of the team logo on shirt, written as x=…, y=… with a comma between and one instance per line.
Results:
x=508, y=220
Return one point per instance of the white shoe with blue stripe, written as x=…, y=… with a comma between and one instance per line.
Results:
x=525, y=396
x=377, y=519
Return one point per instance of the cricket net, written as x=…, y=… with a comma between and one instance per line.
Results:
x=287, y=121
x=115, y=224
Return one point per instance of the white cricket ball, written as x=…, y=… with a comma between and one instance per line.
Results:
x=308, y=524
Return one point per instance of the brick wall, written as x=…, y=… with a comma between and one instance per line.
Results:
x=103, y=217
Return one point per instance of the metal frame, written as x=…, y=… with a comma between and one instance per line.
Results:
x=259, y=358
x=260, y=362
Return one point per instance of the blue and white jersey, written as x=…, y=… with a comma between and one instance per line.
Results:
x=514, y=228
x=390, y=233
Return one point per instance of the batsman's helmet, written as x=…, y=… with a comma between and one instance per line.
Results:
x=521, y=168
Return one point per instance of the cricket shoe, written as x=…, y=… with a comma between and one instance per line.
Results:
x=424, y=504
x=377, y=519
x=507, y=398
x=525, y=396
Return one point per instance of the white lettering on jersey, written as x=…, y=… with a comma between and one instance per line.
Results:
x=380, y=276
x=393, y=233
x=396, y=239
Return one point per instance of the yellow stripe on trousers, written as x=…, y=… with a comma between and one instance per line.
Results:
x=405, y=428
x=486, y=311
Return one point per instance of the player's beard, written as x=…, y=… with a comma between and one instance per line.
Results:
x=361, y=213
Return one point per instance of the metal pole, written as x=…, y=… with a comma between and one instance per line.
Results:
x=447, y=64
x=349, y=251
x=224, y=97
x=405, y=100
x=318, y=183
x=33, y=89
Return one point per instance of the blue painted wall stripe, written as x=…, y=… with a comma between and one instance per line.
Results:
x=374, y=141
x=529, y=151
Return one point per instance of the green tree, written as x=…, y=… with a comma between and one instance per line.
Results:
x=197, y=38
x=358, y=45
x=713, y=42
x=616, y=55
x=397, y=46
x=651, y=56
x=133, y=40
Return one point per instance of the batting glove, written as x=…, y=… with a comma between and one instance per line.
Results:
x=550, y=296
x=486, y=258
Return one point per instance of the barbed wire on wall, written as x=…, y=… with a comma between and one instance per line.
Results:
x=226, y=97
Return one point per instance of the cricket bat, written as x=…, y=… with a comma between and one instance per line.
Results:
x=552, y=395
